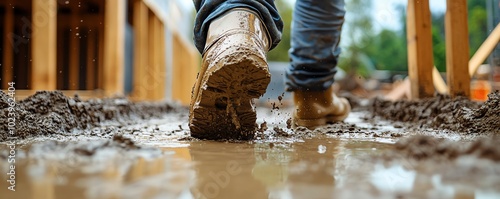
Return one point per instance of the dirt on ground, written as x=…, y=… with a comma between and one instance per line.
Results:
x=439, y=149
x=51, y=112
x=443, y=112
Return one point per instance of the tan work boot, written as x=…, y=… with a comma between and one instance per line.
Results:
x=317, y=108
x=234, y=71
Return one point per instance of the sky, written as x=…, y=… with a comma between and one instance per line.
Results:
x=386, y=15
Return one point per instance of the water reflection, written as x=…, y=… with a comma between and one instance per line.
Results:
x=314, y=168
x=270, y=170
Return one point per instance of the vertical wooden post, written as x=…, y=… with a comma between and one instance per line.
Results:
x=141, y=50
x=152, y=72
x=160, y=51
x=44, y=69
x=457, y=48
x=420, y=57
x=156, y=75
x=8, y=47
x=114, y=43
x=74, y=48
x=185, y=67
x=100, y=57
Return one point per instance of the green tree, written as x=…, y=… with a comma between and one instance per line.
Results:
x=478, y=27
x=438, y=41
x=388, y=50
x=478, y=31
x=359, y=27
x=280, y=52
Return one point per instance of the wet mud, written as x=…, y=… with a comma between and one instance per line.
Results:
x=49, y=113
x=439, y=149
x=442, y=112
x=472, y=164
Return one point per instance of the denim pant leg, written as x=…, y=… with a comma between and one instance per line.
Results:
x=314, y=52
x=208, y=10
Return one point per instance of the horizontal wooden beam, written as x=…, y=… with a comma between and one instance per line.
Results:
x=83, y=94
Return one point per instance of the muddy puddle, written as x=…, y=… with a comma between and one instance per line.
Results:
x=144, y=150
x=320, y=167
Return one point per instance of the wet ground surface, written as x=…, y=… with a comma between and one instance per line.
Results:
x=144, y=154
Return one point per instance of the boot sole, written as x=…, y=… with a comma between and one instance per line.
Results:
x=223, y=108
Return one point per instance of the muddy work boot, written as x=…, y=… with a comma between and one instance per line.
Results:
x=234, y=71
x=318, y=108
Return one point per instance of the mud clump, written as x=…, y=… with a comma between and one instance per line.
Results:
x=483, y=119
x=442, y=112
x=437, y=149
x=51, y=112
x=125, y=142
x=118, y=142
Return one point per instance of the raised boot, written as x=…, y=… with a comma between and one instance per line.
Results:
x=234, y=71
x=318, y=108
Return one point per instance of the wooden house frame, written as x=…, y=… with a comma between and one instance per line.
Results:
x=79, y=47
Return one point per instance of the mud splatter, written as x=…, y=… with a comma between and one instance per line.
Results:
x=281, y=132
x=275, y=107
x=263, y=127
x=289, y=123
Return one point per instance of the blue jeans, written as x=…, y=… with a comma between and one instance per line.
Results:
x=316, y=29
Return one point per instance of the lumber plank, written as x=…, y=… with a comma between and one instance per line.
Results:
x=161, y=59
x=457, y=48
x=484, y=50
x=158, y=83
x=114, y=43
x=420, y=57
x=44, y=48
x=439, y=83
x=185, y=67
x=400, y=91
x=152, y=70
x=100, y=54
x=141, y=50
